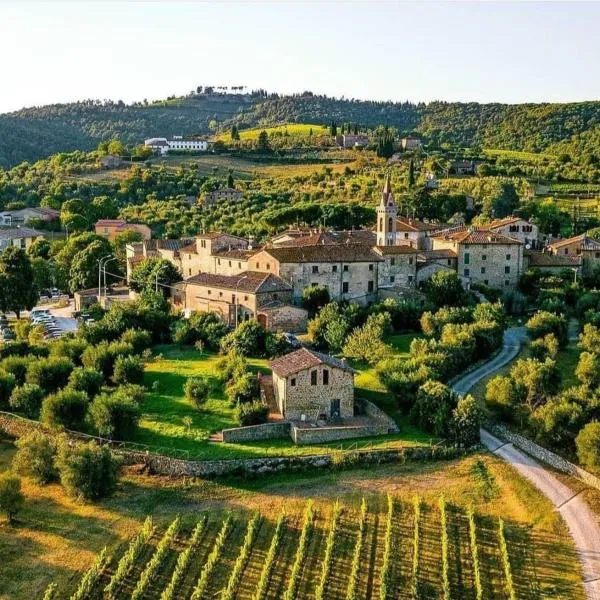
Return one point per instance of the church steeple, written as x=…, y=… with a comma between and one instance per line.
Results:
x=386, y=216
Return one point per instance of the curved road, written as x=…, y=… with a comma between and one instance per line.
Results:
x=580, y=520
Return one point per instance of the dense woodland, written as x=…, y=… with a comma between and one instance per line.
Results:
x=34, y=132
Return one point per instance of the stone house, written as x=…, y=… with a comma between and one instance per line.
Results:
x=237, y=298
x=580, y=245
x=12, y=218
x=352, y=140
x=110, y=228
x=411, y=143
x=463, y=167
x=21, y=237
x=527, y=233
x=484, y=256
x=311, y=386
x=137, y=252
x=222, y=195
x=110, y=161
x=348, y=271
x=198, y=257
x=550, y=263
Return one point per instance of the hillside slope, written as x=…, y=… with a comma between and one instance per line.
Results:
x=36, y=132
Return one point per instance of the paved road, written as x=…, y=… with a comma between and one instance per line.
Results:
x=580, y=520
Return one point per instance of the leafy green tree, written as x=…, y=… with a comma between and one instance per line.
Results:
x=410, y=178
x=588, y=369
x=502, y=391
x=114, y=415
x=139, y=339
x=128, y=369
x=466, y=422
x=197, y=389
x=243, y=389
x=8, y=383
x=557, y=422
x=17, y=288
x=11, y=497
x=120, y=242
x=145, y=275
x=248, y=338
x=543, y=323
x=104, y=207
x=433, y=408
x=544, y=347
x=35, y=457
x=539, y=380
x=263, y=144
x=87, y=471
x=40, y=248
x=66, y=408
x=366, y=344
x=44, y=273
x=589, y=338
x=445, y=289
x=27, y=399
x=50, y=374
x=89, y=381
x=235, y=134
x=231, y=366
x=116, y=147
x=252, y=413
x=83, y=274
x=588, y=445
x=17, y=366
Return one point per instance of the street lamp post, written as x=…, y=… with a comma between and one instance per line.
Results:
x=100, y=261
x=104, y=267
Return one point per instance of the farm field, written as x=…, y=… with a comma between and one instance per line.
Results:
x=163, y=425
x=58, y=538
x=518, y=155
x=295, y=129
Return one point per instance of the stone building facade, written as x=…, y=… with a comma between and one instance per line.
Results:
x=202, y=255
x=398, y=266
x=484, y=256
x=311, y=386
x=519, y=229
x=222, y=195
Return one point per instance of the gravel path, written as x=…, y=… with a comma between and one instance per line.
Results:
x=580, y=520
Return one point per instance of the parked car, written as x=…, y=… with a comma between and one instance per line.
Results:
x=293, y=341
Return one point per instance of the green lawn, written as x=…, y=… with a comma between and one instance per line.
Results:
x=163, y=429
x=297, y=129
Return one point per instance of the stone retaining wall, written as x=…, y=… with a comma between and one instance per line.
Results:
x=546, y=456
x=254, y=433
x=15, y=426
x=322, y=435
x=374, y=412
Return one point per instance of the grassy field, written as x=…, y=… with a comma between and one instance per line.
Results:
x=293, y=129
x=162, y=426
x=56, y=538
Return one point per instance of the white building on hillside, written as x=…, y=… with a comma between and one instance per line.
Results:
x=177, y=143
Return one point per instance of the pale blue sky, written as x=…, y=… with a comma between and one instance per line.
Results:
x=505, y=52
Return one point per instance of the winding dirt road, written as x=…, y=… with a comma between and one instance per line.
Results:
x=580, y=520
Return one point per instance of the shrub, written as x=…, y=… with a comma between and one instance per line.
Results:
x=35, y=457
x=138, y=339
x=114, y=415
x=588, y=445
x=8, y=382
x=558, y=421
x=466, y=422
x=545, y=347
x=503, y=392
x=252, y=413
x=589, y=340
x=242, y=389
x=102, y=357
x=445, y=289
x=231, y=366
x=405, y=315
x=588, y=369
x=249, y=339
x=328, y=330
x=128, y=369
x=66, y=408
x=433, y=407
x=84, y=379
x=27, y=399
x=51, y=374
x=68, y=348
x=17, y=365
x=277, y=345
x=535, y=380
x=197, y=389
x=87, y=470
x=208, y=328
x=543, y=323
x=11, y=497
x=365, y=343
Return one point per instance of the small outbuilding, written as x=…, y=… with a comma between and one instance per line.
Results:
x=311, y=386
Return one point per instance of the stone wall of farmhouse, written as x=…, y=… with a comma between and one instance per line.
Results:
x=425, y=272
x=254, y=433
x=333, y=276
x=488, y=264
x=546, y=456
x=312, y=401
x=399, y=269
x=374, y=412
x=285, y=318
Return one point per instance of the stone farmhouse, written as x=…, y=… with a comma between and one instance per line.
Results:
x=515, y=227
x=582, y=246
x=411, y=143
x=110, y=228
x=21, y=237
x=162, y=146
x=311, y=386
x=12, y=218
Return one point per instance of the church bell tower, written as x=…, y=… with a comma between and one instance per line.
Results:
x=386, y=216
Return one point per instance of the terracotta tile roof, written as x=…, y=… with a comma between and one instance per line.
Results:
x=110, y=222
x=481, y=236
x=172, y=244
x=327, y=238
x=237, y=253
x=448, y=230
x=440, y=253
x=405, y=224
x=567, y=241
x=248, y=281
x=303, y=359
x=191, y=249
x=325, y=253
x=387, y=250
x=18, y=233
x=506, y=221
x=546, y=259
